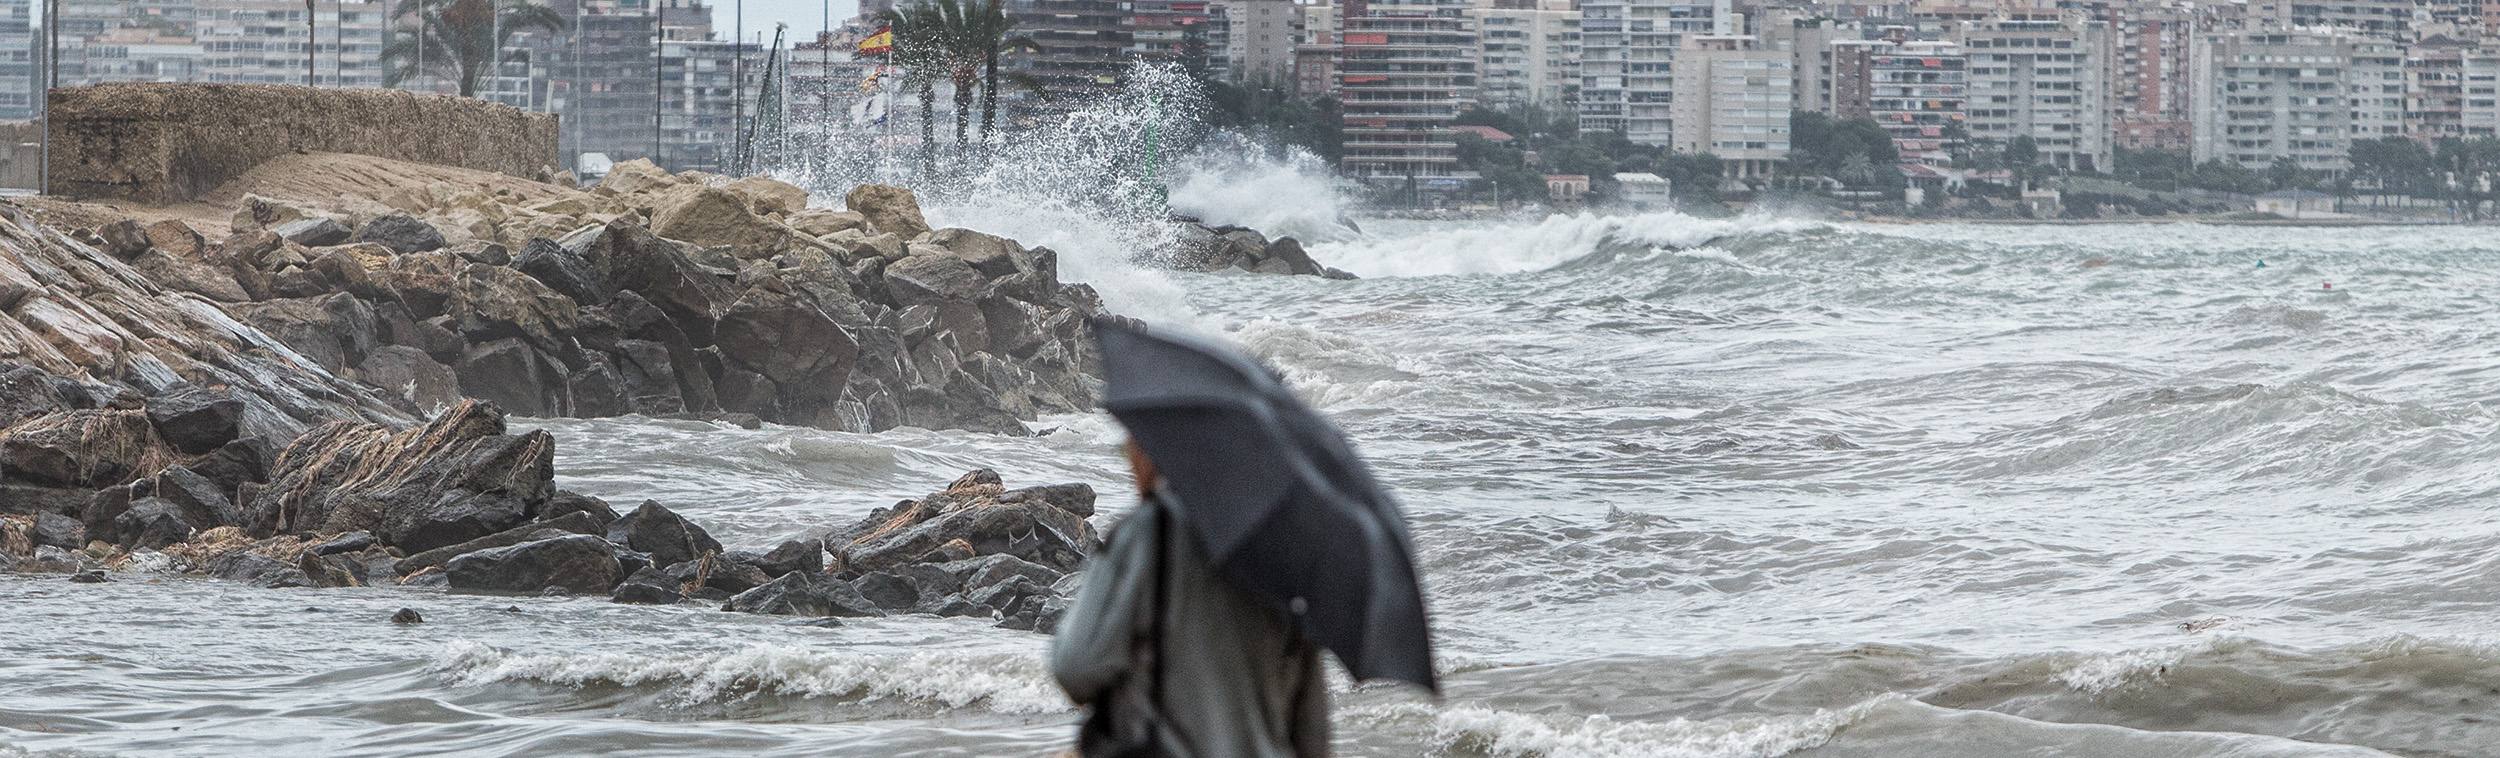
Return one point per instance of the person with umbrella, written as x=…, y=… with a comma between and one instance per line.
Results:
x=1260, y=539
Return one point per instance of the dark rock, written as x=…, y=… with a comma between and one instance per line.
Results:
x=772, y=332
x=237, y=463
x=567, y=501
x=955, y=606
x=346, y=477
x=579, y=563
x=102, y=514
x=401, y=233
x=563, y=271
x=59, y=531
x=596, y=392
x=90, y=576
x=257, y=569
x=668, y=537
x=734, y=577
x=27, y=391
x=990, y=570
x=948, y=286
x=407, y=616
x=345, y=543
x=793, y=555
x=827, y=622
x=409, y=374
x=1290, y=251
x=203, y=502
x=489, y=254
x=803, y=594
x=1004, y=594
x=633, y=561
x=888, y=591
x=570, y=523
x=1076, y=498
x=313, y=232
x=27, y=499
x=647, y=586
x=451, y=519
x=659, y=272
x=80, y=448
x=151, y=524
x=329, y=570
x=974, y=512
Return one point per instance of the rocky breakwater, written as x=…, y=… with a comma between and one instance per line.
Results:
x=461, y=502
x=652, y=293
x=1200, y=247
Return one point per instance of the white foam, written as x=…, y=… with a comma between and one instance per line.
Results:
x=1014, y=684
x=1513, y=247
x=1512, y=734
x=1232, y=181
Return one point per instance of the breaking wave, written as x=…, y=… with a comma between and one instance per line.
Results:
x=1000, y=683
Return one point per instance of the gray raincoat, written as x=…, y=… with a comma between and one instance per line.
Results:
x=1192, y=668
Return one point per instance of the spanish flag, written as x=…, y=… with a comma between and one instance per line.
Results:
x=879, y=43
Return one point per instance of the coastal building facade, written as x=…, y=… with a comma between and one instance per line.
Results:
x=1405, y=70
x=1733, y=99
x=1627, y=61
x=2041, y=76
x=1531, y=56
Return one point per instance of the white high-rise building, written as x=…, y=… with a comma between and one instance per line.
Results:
x=2045, y=77
x=1405, y=70
x=1732, y=100
x=1531, y=55
x=2262, y=95
x=1260, y=36
x=1627, y=57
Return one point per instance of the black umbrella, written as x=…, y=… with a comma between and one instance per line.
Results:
x=1274, y=493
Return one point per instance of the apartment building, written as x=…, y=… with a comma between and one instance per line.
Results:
x=1918, y=91
x=1315, y=53
x=1531, y=55
x=1627, y=57
x=2149, y=83
x=17, y=59
x=2479, y=112
x=1260, y=37
x=1169, y=30
x=2042, y=76
x=1809, y=40
x=1733, y=99
x=2263, y=95
x=1084, y=45
x=1405, y=69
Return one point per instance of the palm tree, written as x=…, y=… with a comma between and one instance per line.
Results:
x=920, y=47
x=993, y=34
x=460, y=37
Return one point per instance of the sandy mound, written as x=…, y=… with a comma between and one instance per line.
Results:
x=323, y=177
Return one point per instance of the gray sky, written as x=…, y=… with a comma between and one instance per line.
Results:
x=803, y=16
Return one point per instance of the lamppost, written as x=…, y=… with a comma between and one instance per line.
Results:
x=312, y=42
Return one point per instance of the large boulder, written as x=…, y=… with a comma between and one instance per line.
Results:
x=578, y=563
x=768, y=195
x=667, y=537
x=1041, y=526
x=946, y=285
x=456, y=478
x=557, y=526
x=889, y=209
x=707, y=216
x=80, y=448
x=196, y=419
x=803, y=593
x=313, y=232
x=774, y=333
x=562, y=270
x=401, y=233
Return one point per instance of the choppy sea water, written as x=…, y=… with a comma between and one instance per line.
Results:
x=1798, y=489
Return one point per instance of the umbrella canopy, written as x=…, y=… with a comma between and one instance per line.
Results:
x=1275, y=494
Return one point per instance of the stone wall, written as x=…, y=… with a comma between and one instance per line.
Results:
x=162, y=143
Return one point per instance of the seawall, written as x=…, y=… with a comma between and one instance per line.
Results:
x=162, y=143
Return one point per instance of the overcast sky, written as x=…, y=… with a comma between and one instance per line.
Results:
x=803, y=16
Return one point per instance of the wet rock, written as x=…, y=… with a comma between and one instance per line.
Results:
x=793, y=555
x=313, y=232
x=151, y=523
x=254, y=568
x=991, y=570
x=90, y=576
x=577, y=563
x=79, y=448
x=1005, y=594
x=407, y=616
x=570, y=523
x=401, y=233
x=197, y=419
x=647, y=586
x=563, y=271
x=889, y=209
x=27, y=391
x=566, y=501
x=668, y=537
x=888, y=590
x=345, y=543
x=329, y=570
x=803, y=594
x=731, y=576
x=203, y=502
x=410, y=375
x=1036, y=526
x=58, y=531
x=513, y=375
x=775, y=334
x=347, y=477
